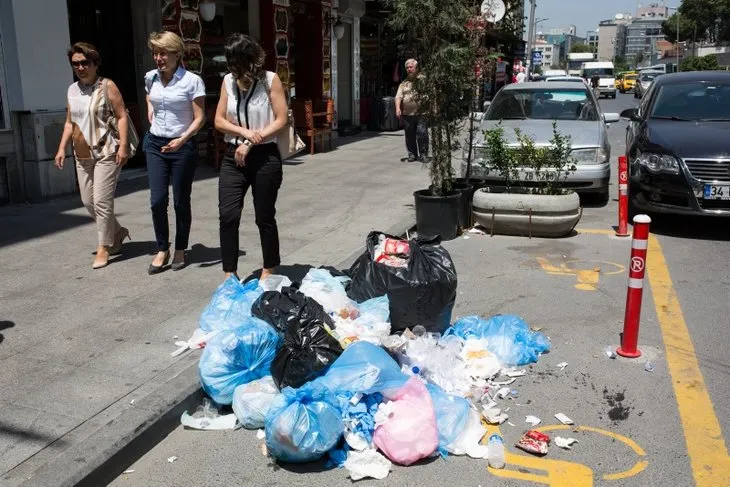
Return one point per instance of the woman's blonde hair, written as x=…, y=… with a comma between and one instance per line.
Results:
x=169, y=41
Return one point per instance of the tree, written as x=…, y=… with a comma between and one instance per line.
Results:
x=686, y=28
x=702, y=63
x=620, y=64
x=582, y=47
x=638, y=59
x=435, y=31
x=710, y=17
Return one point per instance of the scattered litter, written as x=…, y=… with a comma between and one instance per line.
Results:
x=504, y=382
x=175, y=337
x=511, y=424
x=206, y=417
x=562, y=365
x=367, y=464
x=171, y=459
x=260, y=434
x=535, y=328
x=128, y=471
x=533, y=420
x=477, y=230
x=610, y=353
x=466, y=237
x=565, y=443
x=131, y=403
x=534, y=442
x=649, y=367
x=514, y=393
x=198, y=340
x=495, y=416
x=564, y=419
x=515, y=373
x=503, y=392
x=264, y=450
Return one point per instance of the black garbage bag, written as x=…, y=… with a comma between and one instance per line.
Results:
x=308, y=349
x=423, y=293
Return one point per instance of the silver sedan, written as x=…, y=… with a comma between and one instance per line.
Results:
x=533, y=107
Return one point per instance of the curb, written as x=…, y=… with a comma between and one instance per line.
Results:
x=107, y=452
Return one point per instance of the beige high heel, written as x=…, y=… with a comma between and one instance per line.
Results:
x=98, y=264
x=121, y=236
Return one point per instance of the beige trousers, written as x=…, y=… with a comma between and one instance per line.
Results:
x=98, y=183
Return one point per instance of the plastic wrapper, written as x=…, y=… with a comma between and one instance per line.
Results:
x=422, y=293
x=507, y=336
x=230, y=305
x=304, y=424
x=468, y=441
x=252, y=401
x=329, y=291
x=371, y=325
x=452, y=415
x=236, y=357
x=534, y=442
x=407, y=429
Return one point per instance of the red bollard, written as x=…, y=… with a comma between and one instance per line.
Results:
x=623, y=197
x=637, y=267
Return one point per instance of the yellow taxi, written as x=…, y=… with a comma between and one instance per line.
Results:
x=627, y=81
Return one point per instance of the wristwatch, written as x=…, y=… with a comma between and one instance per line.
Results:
x=247, y=143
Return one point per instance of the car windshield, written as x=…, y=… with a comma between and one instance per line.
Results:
x=693, y=101
x=631, y=76
x=544, y=104
x=569, y=80
x=600, y=72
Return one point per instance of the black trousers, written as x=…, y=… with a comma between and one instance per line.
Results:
x=162, y=168
x=263, y=174
x=416, y=136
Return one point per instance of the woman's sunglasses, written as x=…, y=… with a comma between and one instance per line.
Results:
x=77, y=64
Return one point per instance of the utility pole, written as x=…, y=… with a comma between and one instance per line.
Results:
x=531, y=33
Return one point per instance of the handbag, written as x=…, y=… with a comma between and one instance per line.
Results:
x=113, y=129
x=288, y=141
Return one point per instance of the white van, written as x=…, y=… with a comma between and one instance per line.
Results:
x=607, y=78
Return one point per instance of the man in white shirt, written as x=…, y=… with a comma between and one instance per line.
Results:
x=521, y=76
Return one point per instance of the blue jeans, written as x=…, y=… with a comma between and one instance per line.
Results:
x=162, y=168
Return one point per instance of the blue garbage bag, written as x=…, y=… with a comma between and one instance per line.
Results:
x=375, y=310
x=452, y=413
x=230, y=305
x=509, y=337
x=363, y=367
x=235, y=357
x=304, y=424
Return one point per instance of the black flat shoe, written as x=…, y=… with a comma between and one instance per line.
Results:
x=156, y=269
x=176, y=266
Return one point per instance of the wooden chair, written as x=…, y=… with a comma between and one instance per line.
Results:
x=307, y=123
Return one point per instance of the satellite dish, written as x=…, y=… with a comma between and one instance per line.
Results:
x=619, y=16
x=493, y=10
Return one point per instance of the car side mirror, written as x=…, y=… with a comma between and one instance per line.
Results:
x=486, y=105
x=632, y=114
x=611, y=117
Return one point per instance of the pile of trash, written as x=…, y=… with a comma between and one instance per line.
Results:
x=363, y=367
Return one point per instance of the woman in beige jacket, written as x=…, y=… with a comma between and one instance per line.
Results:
x=99, y=155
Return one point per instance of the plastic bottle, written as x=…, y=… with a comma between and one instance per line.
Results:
x=419, y=330
x=495, y=451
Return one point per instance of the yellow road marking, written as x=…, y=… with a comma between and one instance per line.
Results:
x=703, y=435
x=587, y=278
x=595, y=231
x=638, y=466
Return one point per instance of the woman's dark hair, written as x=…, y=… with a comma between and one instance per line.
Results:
x=88, y=50
x=245, y=57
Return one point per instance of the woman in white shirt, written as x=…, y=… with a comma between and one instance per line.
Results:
x=175, y=106
x=251, y=111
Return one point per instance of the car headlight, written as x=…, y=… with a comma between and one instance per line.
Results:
x=589, y=156
x=478, y=155
x=657, y=163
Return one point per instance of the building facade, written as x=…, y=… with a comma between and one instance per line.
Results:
x=550, y=53
x=313, y=45
x=641, y=37
x=611, y=39
x=592, y=39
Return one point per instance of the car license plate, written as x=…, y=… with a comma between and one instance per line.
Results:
x=538, y=176
x=717, y=192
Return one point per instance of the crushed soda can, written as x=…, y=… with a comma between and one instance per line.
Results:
x=534, y=442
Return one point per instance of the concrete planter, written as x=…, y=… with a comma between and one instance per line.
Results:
x=526, y=214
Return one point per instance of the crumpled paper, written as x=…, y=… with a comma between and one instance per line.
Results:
x=565, y=443
x=367, y=463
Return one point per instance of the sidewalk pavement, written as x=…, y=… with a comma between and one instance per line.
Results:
x=85, y=364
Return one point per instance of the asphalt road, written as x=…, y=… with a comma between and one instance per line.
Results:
x=634, y=427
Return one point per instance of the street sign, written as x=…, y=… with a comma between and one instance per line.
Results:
x=536, y=57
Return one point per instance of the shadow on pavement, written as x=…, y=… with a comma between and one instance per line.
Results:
x=691, y=227
x=4, y=325
x=23, y=222
x=294, y=272
x=29, y=435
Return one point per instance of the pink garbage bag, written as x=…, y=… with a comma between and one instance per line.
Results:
x=407, y=429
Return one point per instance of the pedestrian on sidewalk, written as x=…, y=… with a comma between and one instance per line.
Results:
x=252, y=110
x=99, y=152
x=176, y=111
x=407, y=109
